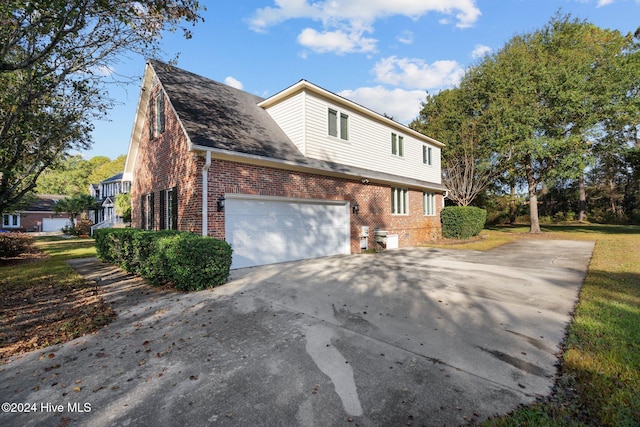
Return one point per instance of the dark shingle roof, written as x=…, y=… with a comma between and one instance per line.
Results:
x=116, y=177
x=44, y=202
x=219, y=116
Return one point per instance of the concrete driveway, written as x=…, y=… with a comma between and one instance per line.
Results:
x=406, y=337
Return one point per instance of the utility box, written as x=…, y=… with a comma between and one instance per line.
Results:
x=380, y=236
x=364, y=237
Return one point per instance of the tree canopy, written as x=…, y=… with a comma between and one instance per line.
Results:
x=73, y=174
x=533, y=111
x=54, y=58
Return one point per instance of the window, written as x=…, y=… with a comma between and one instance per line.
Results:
x=399, y=201
x=147, y=211
x=333, y=124
x=429, y=204
x=397, y=145
x=159, y=118
x=427, y=155
x=10, y=221
x=169, y=206
x=344, y=126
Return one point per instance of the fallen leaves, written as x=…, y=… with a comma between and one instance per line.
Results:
x=41, y=315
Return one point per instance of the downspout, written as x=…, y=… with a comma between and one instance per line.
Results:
x=205, y=194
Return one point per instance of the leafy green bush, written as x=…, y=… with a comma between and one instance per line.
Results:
x=184, y=260
x=14, y=244
x=462, y=222
x=195, y=263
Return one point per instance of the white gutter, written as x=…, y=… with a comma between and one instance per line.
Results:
x=205, y=193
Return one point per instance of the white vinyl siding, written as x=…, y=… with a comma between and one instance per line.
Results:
x=368, y=145
x=368, y=139
x=290, y=117
x=399, y=201
x=429, y=204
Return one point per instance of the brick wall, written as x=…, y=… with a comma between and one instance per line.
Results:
x=164, y=162
x=373, y=200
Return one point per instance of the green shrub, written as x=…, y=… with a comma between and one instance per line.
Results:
x=14, y=244
x=462, y=222
x=195, y=263
x=184, y=260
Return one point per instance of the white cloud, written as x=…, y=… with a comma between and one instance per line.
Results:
x=604, y=2
x=230, y=81
x=415, y=73
x=336, y=41
x=348, y=20
x=406, y=37
x=402, y=105
x=465, y=11
x=480, y=50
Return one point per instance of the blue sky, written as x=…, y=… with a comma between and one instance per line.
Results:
x=383, y=54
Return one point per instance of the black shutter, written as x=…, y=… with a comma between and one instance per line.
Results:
x=174, y=208
x=143, y=211
x=163, y=210
x=152, y=212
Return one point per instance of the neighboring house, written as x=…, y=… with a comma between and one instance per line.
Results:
x=105, y=194
x=39, y=215
x=302, y=174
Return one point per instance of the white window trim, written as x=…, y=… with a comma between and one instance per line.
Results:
x=403, y=207
x=397, y=145
x=159, y=125
x=427, y=155
x=13, y=221
x=339, y=115
x=429, y=204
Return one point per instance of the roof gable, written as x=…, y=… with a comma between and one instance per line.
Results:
x=218, y=116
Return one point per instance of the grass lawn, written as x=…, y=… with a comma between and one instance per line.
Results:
x=44, y=301
x=599, y=380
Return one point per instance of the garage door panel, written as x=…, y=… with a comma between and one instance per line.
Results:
x=271, y=231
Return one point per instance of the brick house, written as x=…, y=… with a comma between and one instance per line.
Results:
x=302, y=174
x=39, y=215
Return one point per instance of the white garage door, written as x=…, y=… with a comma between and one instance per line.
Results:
x=54, y=224
x=266, y=230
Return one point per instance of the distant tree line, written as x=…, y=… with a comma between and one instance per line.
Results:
x=555, y=112
x=73, y=175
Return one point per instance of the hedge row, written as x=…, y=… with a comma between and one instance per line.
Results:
x=184, y=260
x=462, y=222
x=14, y=244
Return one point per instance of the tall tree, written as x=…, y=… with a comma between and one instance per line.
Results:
x=467, y=167
x=53, y=56
x=545, y=94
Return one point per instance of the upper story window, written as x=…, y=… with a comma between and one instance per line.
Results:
x=399, y=201
x=341, y=131
x=427, y=155
x=397, y=145
x=159, y=113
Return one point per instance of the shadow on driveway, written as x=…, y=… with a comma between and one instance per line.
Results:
x=407, y=337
